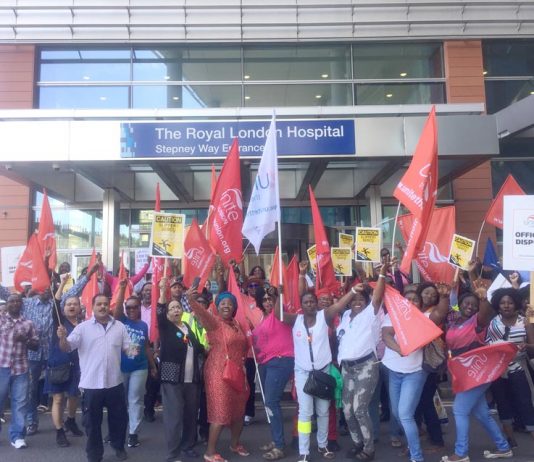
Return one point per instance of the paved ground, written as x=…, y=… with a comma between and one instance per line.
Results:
x=42, y=446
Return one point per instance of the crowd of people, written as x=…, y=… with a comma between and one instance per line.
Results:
x=338, y=351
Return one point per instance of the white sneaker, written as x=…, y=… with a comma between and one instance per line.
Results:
x=19, y=444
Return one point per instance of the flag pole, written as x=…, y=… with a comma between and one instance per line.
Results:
x=394, y=230
x=261, y=385
x=280, y=273
x=480, y=234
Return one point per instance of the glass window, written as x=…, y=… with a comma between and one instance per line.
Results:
x=186, y=96
x=400, y=93
x=297, y=62
x=508, y=58
x=86, y=97
x=397, y=60
x=187, y=64
x=502, y=93
x=298, y=95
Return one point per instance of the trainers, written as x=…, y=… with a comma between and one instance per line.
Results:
x=31, y=429
x=71, y=426
x=19, y=444
x=326, y=453
x=303, y=458
x=247, y=421
x=133, y=441
x=61, y=439
x=120, y=454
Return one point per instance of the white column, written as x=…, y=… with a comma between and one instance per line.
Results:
x=110, y=229
x=375, y=204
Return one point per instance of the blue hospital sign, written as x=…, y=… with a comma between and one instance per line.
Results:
x=295, y=138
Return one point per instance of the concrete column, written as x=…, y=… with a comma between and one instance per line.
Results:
x=375, y=204
x=110, y=229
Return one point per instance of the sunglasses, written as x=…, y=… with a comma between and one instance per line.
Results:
x=132, y=307
x=253, y=286
x=267, y=299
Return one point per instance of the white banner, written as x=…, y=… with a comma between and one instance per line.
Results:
x=10, y=258
x=518, y=233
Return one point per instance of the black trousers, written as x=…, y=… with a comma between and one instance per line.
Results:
x=203, y=425
x=250, y=367
x=151, y=395
x=513, y=398
x=427, y=411
x=93, y=403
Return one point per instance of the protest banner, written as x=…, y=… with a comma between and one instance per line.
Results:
x=368, y=243
x=345, y=240
x=167, y=235
x=461, y=251
x=10, y=258
x=312, y=257
x=518, y=233
x=342, y=260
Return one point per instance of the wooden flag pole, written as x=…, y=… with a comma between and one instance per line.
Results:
x=280, y=272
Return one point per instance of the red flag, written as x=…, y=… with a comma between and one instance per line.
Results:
x=40, y=278
x=91, y=289
x=47, y=233
x=418, y=188
x=432, y=260
x=326, y=277
x=248, y=315
x=226, y=218
x=122, y=275
x=198, y=256
x=213, y=182
x=291, y=296
x=412, y=328
x=23, y=271
x=274, y=278
x=157, y=271
x=510, y=187
x=481, y=365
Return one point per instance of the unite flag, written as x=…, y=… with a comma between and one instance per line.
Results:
x=46, y=233
x=264, y=206
x=510, y=187
x=418, y=188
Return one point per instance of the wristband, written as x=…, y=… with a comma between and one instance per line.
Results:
x=381, y=276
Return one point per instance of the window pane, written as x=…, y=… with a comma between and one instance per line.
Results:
x=396, y=61
x=83, y=97
x=298, y=95
x=500, y=94
x=401, y=93
x=190, y=97
x=509, y=58
x=297, y=62
x=187, y=64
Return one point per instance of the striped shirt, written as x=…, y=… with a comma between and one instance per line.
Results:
x=498, y=331
x=14, y=353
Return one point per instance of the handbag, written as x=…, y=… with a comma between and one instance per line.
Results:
x=319, y=383
x=57, y=375
x=233, y=373
x=434, y=356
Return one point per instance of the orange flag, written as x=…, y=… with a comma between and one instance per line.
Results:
x=418, y=188
x=412, y=328
x=198, y=256
x=274, y=278
x=23, y=271
x=122, y=275
x=292, y=299
x=91, y=289
x=226, y=218
x=510, y=187
x=157, y=271
x=40, y=278
x=47, y=233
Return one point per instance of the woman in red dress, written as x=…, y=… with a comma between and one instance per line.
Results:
x=226, y=405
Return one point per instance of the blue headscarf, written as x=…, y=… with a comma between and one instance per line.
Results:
x=222, y=295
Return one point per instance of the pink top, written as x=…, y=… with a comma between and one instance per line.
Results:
x=464, y=337
x=272, y=338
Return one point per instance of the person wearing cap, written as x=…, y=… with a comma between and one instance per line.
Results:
x=178, y=287
x=228, y=342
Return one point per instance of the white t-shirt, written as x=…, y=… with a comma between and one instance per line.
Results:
x=404, y=364
x=358, y=336
x=322, y=356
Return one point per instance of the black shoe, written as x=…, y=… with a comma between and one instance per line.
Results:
x=71, y=426
x=190, y=453
x=333, y=446
x=133, y=441
x=353, y=451
x=31, y=429
x=61, y=439
x=120, y=454
x=150, y=417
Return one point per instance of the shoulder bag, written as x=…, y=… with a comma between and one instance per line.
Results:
x=58, y=375
x=233, y=373
x=434, y=356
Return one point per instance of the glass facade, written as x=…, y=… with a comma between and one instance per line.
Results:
x=508, y=71
x=197, y=76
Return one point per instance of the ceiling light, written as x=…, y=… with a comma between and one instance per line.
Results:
x=485, y=73
x=324, y=76
x=389, y=95
x=246, y=77
x=86, y=77
x=318, y=96
x=175, y=98
x=532, y=92
x=403, y=74
x=103, y=98
x=167, y=77
x=247, y=97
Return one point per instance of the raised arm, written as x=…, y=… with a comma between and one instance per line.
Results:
x=337, y=307
x=63, y=278
x=303, y=284
x=118, y=311
x=439, y=313
x=77, y=289
x=485, y=311
x=380, y=288
x=141, y=274
x=289, y=318
x=205, y=317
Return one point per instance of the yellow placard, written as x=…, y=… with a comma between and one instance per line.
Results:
x=167, y=235
x=342, y=260
x=312, y=257
x=368, y=243
x=461, y=251
x=346, y=240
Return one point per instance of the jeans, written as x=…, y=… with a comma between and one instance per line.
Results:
x=35, y=370
x=427, y=411
x=474, y=402
x=404, y=393
x=134, y=389
x=394, y=427
x=17, y=387
x=250, y=367
x=274, y=376
x=306, y=408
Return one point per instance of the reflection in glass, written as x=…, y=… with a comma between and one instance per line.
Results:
x=83, y=97
x=400, y=93
x=509, y=58
x=187, y=96
x=298, y=95
x=296, y=62
x=397, y=60
x=502, y=93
